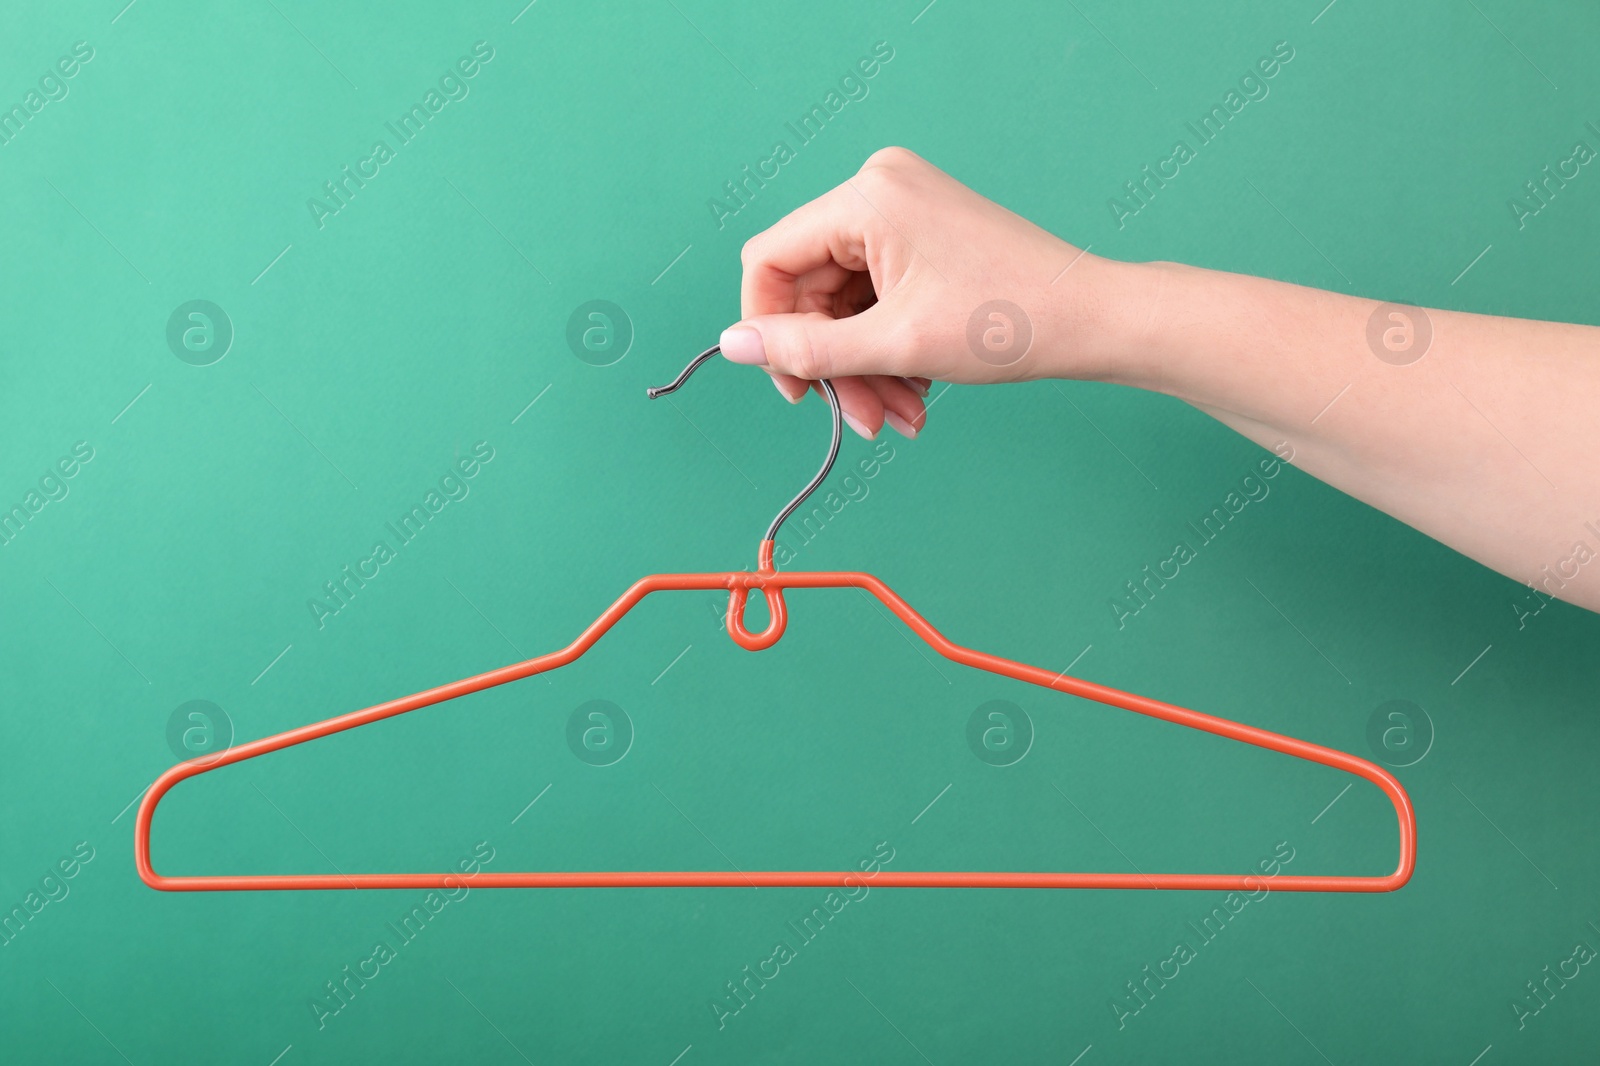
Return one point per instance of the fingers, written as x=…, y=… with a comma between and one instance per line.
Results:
x=903, y=409
x=836, y=292
x=825, y=296
x=830, y=230
x=869, y=403
x=813, y=345
x=792, y=388
x=861, y=406
x=827, y=289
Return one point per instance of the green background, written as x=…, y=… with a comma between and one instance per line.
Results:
x=431, y=310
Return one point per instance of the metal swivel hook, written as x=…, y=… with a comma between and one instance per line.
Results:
x=774, y=595
x=833, y=446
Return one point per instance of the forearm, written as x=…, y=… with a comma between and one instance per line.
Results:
x=1487, y=442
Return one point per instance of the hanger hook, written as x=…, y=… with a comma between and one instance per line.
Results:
x=827, y=465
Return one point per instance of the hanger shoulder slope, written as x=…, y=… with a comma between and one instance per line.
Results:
x=738, y=584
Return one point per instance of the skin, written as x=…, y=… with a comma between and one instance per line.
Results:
x=1486, y=441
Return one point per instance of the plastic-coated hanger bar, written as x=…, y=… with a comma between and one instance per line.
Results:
x=772, y=583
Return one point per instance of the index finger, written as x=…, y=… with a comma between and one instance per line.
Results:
x=830, y=230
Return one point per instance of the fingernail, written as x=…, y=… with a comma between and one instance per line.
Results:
x=916, y=386
x=857, y=426
x=742, y=344
x=787, y=395
x=901, y=426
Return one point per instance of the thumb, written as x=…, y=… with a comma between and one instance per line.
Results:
x=813, y=346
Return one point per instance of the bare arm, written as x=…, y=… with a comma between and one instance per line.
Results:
x=1479, y=431
x=1484, y=439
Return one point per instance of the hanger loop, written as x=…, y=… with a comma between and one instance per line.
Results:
x=738, y=595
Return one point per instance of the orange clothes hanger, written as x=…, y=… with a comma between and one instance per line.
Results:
x=772, y=583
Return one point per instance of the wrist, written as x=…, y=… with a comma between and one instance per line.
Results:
x=1123, y=323
x=1155, y=322
x=1233, y=343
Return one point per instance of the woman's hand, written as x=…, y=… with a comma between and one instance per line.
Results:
x=902, y=275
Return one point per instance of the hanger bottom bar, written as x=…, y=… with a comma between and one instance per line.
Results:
x=772, y=583
x=781, y=879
